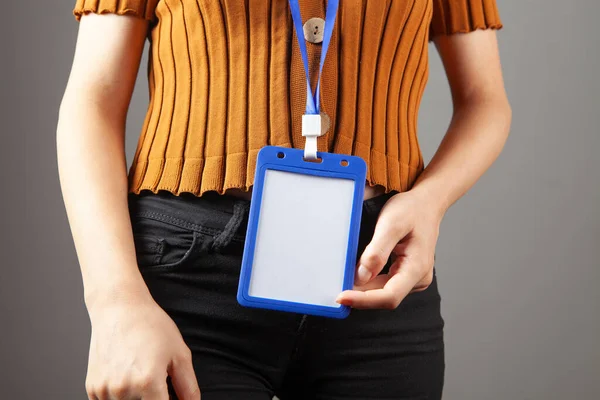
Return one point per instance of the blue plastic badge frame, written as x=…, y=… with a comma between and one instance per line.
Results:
x=333, y=165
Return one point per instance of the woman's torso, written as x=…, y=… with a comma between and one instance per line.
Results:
x=226, y=78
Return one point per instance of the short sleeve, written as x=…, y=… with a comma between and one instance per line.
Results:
x=462, y=16
x=139, y=8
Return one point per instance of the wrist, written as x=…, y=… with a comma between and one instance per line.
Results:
x=125, y=290
x=431, y=198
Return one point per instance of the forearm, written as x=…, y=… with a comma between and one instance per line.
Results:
x=93, y=179
x=475, y=137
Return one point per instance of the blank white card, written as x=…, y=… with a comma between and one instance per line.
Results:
x=302, y=238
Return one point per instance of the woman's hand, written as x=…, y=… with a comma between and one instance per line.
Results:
x=134, y=346
x=407, y=229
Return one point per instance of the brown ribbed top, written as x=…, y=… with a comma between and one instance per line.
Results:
x=226, y=78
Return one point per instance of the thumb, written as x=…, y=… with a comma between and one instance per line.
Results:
x=184, y=379
x=375, y=255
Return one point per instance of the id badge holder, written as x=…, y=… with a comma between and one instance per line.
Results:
x=302, y=234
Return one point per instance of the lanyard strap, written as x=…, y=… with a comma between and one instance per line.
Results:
x=311, y=120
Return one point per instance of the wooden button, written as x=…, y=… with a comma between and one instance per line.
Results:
x=313, y=30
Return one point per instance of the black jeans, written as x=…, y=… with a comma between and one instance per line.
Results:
x=189, y=250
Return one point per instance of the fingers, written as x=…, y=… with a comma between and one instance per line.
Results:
x=375, y=255
x=183, y=378
x=395, y=288
x=147, y=386
x=377, y=282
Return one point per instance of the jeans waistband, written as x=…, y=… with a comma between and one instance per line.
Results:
x=189, y=203
x=222, y=214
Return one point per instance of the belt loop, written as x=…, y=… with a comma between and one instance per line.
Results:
x=224, y=238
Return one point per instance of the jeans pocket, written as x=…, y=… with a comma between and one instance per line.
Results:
x=166, y=243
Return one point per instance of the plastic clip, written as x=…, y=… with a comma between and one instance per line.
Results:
x=311, y=130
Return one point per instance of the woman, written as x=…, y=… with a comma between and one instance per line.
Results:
x=160, y=245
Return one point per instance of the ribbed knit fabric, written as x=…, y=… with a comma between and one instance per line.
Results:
x=226, y=78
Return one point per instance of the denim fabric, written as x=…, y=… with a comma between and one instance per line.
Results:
x=189, y=251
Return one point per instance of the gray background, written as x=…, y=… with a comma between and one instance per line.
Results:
x=518, y=256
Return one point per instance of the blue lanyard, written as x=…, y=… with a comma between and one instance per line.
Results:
x=312, y=101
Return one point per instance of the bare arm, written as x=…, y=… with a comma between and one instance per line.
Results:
x=134, y=343
x=481, y=119
x=91, y=155
x=408, y=224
